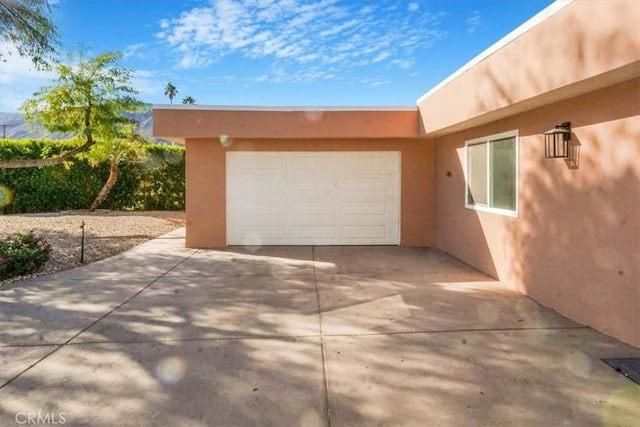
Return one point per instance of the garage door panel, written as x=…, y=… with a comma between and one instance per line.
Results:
x=319, y=232
x=367, y=197
x=311, y=220
x=364, y=232
x=313, y=198
x=314, y=162
x=368, y=163
x=261, y=196
x=259, y=193
x=365, y=219
x=365, y=208
x=317, y=183
x=266, y=207
x=258, y=182
x=313, y=207
x=253, y=178
x=265, y=220
x=370, y=220
x=258, y=161
x=367, y=183
x=263, y=235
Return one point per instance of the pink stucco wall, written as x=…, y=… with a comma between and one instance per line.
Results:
x=206, y=178
x=575, y=245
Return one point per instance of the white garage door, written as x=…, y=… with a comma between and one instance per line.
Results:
x=313, y=198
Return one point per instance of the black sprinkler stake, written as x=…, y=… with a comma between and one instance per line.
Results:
x=82, y=245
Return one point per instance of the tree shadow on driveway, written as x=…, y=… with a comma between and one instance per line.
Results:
x=233, y=337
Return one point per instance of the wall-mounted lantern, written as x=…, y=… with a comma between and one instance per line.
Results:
x=556, y=141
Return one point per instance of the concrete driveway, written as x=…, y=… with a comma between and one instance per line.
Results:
x=297, y=336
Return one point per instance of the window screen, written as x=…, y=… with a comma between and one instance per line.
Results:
x=491, y=173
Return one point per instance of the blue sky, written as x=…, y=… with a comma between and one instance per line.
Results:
x=278, y=52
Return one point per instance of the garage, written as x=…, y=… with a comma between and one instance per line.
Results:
x=300, y=176
x=313, y=198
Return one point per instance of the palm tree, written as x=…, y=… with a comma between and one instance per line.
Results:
x=170, y=91
x=188, y=100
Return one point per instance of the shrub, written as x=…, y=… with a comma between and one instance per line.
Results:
x=23, y=254
x=162, y=178
x=154, y=182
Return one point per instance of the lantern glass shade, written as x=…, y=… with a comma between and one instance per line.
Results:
x=556, y=141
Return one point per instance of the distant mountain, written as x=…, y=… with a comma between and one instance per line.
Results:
x=13, y=125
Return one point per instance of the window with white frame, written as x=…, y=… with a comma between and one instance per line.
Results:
x=491, y=173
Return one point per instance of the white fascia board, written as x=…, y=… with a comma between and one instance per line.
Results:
x=278, y=109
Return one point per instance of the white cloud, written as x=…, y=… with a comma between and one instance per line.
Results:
x=303, y=35
x=308, y=57
x=194, y=60
x=135, y=50
x=375, y=82
x=147, y=83
x=403, y=64
x=367, y=10
x=474, y=22
x=19, y=79
x=337, y=29
x=381, y=57
x=379, y=83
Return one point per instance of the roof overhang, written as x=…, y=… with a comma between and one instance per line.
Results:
x=561, y=53
x=611, y=78
x=184, y=122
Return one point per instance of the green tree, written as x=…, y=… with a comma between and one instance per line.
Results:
x=171, y=91
x=188, y=100
x=27, y=25
x=87, y=100
x=123, y=145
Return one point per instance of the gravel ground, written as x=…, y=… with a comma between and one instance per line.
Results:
x=106, y=233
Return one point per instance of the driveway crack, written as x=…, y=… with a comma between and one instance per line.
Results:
x=325, y=375
x=99, y=319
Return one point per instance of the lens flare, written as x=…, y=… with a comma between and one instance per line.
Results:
x=152, y=161
x=6, y=196
x=621, y=406
x=314, y=115
x=252, y=241
x=170, y=370
x=225, y=140
x=172, y=157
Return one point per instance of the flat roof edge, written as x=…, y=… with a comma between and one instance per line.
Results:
x=541, y=16
x=278, y=109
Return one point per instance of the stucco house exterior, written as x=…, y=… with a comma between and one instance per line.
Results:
x=463, y=171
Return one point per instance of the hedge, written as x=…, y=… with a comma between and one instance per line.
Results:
x=154, y=182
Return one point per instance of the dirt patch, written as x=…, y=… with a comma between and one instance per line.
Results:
x=106, y=233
